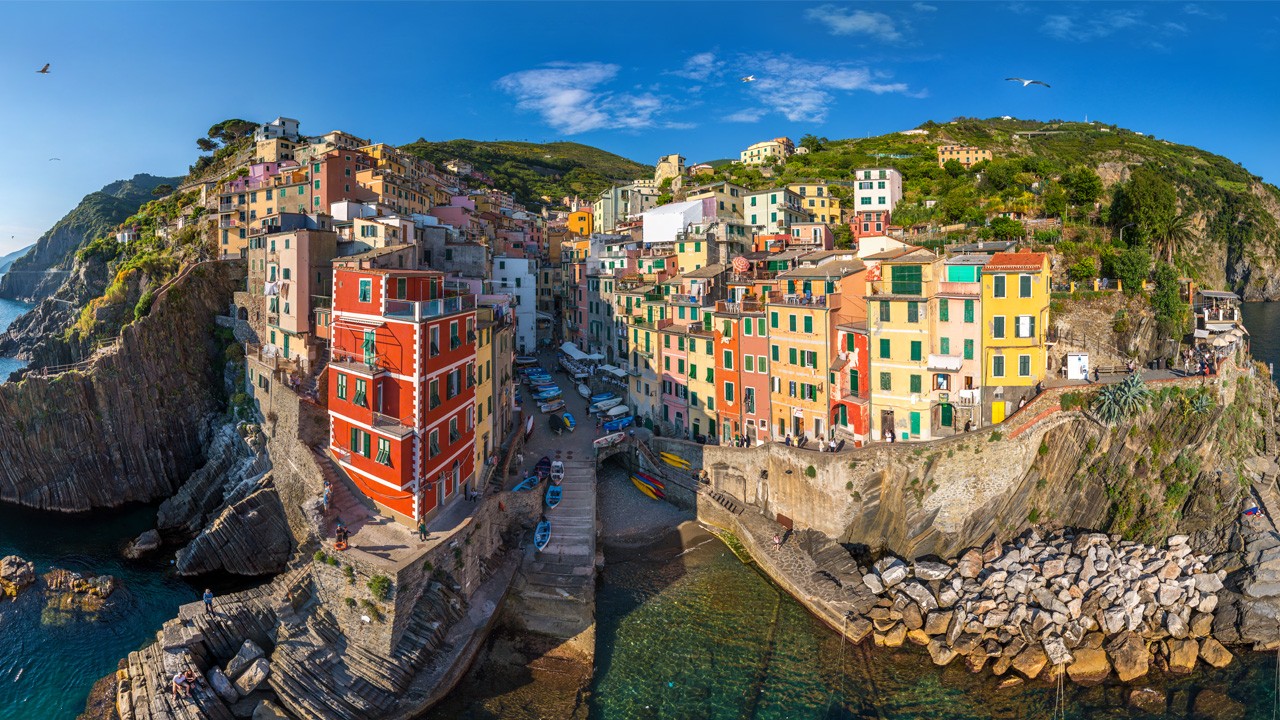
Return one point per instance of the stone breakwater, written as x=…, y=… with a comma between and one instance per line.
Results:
x=1088, y=603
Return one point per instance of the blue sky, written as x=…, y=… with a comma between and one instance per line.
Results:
x=133, y=84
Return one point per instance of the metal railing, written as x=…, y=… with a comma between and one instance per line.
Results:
x=424, y=309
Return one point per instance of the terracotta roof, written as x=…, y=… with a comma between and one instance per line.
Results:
x=1015, y=261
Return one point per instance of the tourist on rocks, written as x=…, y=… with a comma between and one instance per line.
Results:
x=777, y=542
x=208, y=601
x=180, y=686
x=422, y=530
x=968, y=425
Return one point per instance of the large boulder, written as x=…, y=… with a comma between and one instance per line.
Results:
x=1214, y=654
x=267, y=710
x=1090, y=666
x=147, y=542
x=1030, y=661
x=15, y=574
x=1148, y=700
x=222, y=685
x=1182, y=655
x=253, y=676
x=1129, y=656
x=1213, y=705
x=249, y=652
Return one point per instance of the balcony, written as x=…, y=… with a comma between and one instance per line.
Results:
x=902, y=289
x=355, y=363
x=419, y=310
x=751, y=278
x=746, y=306
x=805, y=300
x=391, y=426
x=655, y=297
x=966, y=289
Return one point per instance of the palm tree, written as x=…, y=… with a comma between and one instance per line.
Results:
x=1172, y=234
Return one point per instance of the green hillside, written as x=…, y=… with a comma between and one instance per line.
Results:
x=537, y=173
x=1217, y=222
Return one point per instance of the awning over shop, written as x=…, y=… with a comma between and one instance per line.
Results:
x=614, y=371
x=1219, y=327
x=1201, y=334
x=574, y=353
x=950, y=363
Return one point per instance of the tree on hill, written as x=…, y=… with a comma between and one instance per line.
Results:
x=1082, y=184
x=206, y=145
x=228, y=131
x=1147, y=201
x=1169, y=307
x=1172, y=233
x=813, y=143
x=162, y=189
x=1131, y=267
x=1003, y=228
x=953, y=168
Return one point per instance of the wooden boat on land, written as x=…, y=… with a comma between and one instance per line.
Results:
x=526, y=360
x=583, y=390
x=528, y=483
x=644, y=488
x=603, y=405
x=675, y=461
x=609, y=440
x=553, y=406
x=554, y=493
x=557, y=472
x=542, y=535
x=651, y=480
x=619, y=424
x=544, y=465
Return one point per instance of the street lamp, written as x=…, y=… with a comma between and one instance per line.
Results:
x=1122, y=231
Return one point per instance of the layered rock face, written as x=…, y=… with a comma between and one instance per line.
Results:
x=131, y=428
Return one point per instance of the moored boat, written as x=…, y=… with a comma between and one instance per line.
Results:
x=554, y=493
x=603, y=405
x=528, y=483
x=542, y=535
x=609, y=440
x=644, y=488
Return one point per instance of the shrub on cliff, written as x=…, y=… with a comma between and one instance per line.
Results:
x=380, y=586
x=1124, y=399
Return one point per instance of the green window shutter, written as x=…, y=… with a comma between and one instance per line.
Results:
x=913, y=312
x=760, y=327
x=749, y=363
x=728, y=359
x=711, y=374
x=968, y=311
x=693, y=371
x=886, y=381
x=762, y=364
x=1024, y=365
x=848, y=342
x=791, y=355
x=997, y=326
x=775, y=353
x=365, y=443
x=884, y=349
x=370, y=346
x=944, y=310
x=728, y=392
x=997, y=366
x=854, y=383
x=791, y=321
x=808, y=324
x=1024, y=286
x=355, y=440
x=968, y=349
x=944, y=346
x=915, y=350
x=885, y=311
x=773, y=319
x=342, y=386
x=997, y=286
x=907, y=280
x=915, y=383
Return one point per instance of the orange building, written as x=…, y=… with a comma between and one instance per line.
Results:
x=581, y=223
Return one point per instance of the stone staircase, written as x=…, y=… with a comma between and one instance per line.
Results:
x=725, y=500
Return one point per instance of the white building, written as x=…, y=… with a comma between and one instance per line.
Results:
x=662, y=224
x=876, y=190
x=621, y=202
x=518, y=277
x=774, y=211
x=281, y=127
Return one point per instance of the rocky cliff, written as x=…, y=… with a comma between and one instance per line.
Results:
x=40, y=272
x=131, y=424
x=1177, y=468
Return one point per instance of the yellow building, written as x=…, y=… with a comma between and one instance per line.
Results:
x=898, y=301
x=823, y=291
x=768, y=151
x=1015, y=318
x=275, y=150
x=816, y=199
x=963, y=154
x=728, y=197
x=581, y=223
x=395, y=190
x=702, y=385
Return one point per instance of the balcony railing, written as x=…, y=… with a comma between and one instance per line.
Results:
x=745, y=306
x=390, y=424
x=807, y=300
x=971, y=289
x=418, y=310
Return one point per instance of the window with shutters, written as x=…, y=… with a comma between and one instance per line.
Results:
x=791, y=355
x=997, y=366
x=997, y=286
x=886, y=381
x=749, y=363
x=773, y=319
x=907, y=280
x=384, y=452
x=342, y=386
x=968, y=311
x=775, y=353
x=762, y=364
x=760, y=327
x=791, y=321
x=944, y=310
x=808, y=324
x=913, y=312
x=728, y=359
x=1024, y=365
x=1024, y=286
x=944, y=346
x=916, y=350
x=366, y=290
x=885, y=312
x=884, y=349
x=1025, y=326
x=915, y=383
x=853, y=383
x=728, y=392
x=968, y=349
x=361, y=397
x=997, y=327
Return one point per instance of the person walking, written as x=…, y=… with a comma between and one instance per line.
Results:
x=422, y=529
x=208, y=601
x=777, y=541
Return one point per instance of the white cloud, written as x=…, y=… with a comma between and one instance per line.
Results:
x=748, y=115
x=1194, y=9
x=700, y=67
x=802, y=91
x=571, y=98
x=924, y=7
x=1096, y=26
x=846, y=21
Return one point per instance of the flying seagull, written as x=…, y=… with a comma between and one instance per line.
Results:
x=44, y=70
x=749, y=78
x=55, y=159
x=1025, y=82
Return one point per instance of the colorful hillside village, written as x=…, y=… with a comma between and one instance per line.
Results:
x=400, y=293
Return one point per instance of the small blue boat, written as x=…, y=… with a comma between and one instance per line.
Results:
x=554, y=492
x=619, y=424
x=546, y=395
x=542, y=535
x=528, y=483
x=569, y=422
x=601, y=397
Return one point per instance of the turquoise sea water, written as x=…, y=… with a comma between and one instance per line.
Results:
x=9, y=310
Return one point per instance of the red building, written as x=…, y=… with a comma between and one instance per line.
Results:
x=333, y=178
x=869, y=222
x=851, y=382
x=402, y=386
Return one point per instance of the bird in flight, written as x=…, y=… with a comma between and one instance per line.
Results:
x=1025, y=82
x=749, y=78
x=55, y=159
x=44, y=70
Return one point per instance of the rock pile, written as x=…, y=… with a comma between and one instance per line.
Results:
x=1087, y=603
x=15, y=574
